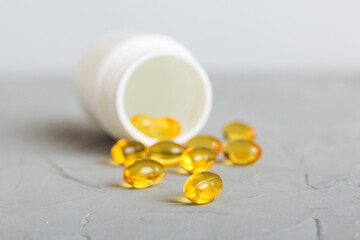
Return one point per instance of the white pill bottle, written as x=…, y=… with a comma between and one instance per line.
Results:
x=123, y=75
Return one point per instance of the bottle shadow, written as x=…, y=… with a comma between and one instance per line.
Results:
x=74, y=136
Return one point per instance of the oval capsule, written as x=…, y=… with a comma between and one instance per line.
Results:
x=142, y=123
x=203, y=187
x=144, y=173
x=168, y=153
x=126, y=152
x=165, y=128
x=238, y=130
x=197, y=159
x=161, y=128
x=242, y=152
x=205, y=141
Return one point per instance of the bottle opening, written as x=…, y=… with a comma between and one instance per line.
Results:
x=165, y=86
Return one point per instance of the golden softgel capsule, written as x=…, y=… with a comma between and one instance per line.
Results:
x=242, y=152
x=144, y=173
x=238, y=130
x=197, y=159
x=161, y=128
x=167, y=153
x=203, y=187
x=142, y=123
x=205, y=141
x=126, y=152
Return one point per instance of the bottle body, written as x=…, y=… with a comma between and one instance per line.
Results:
x=122, y=75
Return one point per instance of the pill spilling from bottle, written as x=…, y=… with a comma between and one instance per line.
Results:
x=146, y=166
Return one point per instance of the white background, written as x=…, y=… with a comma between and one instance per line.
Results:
x=237, y=36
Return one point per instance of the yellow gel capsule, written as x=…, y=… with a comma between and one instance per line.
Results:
x=238, y=130
x=242, y=152
x=144, y=173
x=205, y=141
x=161, y=128
x=203, y=187
x=126, y=152
x=164, y=128
x=197, y=159
x=167, y=153
x=142, y=123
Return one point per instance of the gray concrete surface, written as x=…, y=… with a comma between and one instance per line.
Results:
x=55, y=183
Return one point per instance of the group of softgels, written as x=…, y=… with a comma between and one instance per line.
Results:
x=145, y=166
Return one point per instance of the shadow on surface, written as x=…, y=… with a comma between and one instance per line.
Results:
x=112, y=163
x=178, y=170
x=181, y=200
x=122, y=185
x=79, y=137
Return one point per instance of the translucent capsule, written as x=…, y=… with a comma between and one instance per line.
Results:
x=197, y=159
x=242, y=152
x=126, y=152
x=161, y=128
x=205, y=141
x=144, y=173
x=142, y=123
x=203, y=187
x=167, y=153
x=238, y=130
x=164, y=128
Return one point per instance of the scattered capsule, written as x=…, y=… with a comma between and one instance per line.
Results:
x=144, y=173
x=203, y=187
x=161, y=128
x=126, y=152
x=242, y=152
x=238, y=130
x=167, y=153
x=197, y=159
x=205, y=141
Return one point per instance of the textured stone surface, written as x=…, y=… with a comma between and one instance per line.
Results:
x=55, y=183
